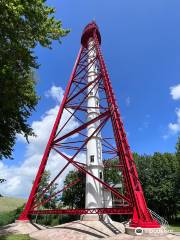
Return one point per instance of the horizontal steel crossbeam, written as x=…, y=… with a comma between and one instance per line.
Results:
x=122, y=210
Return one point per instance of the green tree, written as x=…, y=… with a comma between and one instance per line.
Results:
x=112, y=175
x=158, y=174
x=24, y=25
x=178, y=147
x=74, y=197
x=45, y=180
x=2, y=180
x=178, y=174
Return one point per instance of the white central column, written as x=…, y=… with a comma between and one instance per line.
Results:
x=94, y=191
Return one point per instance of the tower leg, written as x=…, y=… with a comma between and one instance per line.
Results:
x=25, y=214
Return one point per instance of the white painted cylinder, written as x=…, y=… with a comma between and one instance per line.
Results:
x=94, y=189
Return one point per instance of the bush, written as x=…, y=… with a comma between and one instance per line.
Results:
x=7, y=218
x=10, y=217
x=15, y=237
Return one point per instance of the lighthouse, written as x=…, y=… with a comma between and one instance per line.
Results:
x=96, y=196
x=86, y=98
x=94, y=191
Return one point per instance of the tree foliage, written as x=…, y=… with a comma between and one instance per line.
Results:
x=112, y=175
x=45, y=180
x=1, y=181
x=74, y=197
x=24, y=24
x=159, y=175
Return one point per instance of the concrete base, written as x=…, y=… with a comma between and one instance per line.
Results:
x=90, y=217
x=146, y=231
x=96, y=217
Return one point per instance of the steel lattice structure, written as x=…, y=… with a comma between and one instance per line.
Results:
x=75, y=103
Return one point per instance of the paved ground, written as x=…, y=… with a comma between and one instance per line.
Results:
x=20, y=228
x=79, y=230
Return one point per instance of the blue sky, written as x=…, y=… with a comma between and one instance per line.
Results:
x=141, y=48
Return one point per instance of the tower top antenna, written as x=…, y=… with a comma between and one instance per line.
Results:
x=88, y=33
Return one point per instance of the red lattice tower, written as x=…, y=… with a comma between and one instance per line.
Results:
x=114, y=141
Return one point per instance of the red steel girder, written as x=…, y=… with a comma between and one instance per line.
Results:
x=50, y=184
x=121, y=210
x=102, y=115
x=24, y=214
x=56, y=193
x=114, y=191
x=82, y=89
x=73, y=114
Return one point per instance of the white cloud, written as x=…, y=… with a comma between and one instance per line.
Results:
x=56, y=93
x=128, y=101
x=19, y=178
x=175, y=92
x=145, y=124
x=175, y=127
x=165, y=136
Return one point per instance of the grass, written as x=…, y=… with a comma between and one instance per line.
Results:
x=15, y=237
x=175, y=227
x=10, y=203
